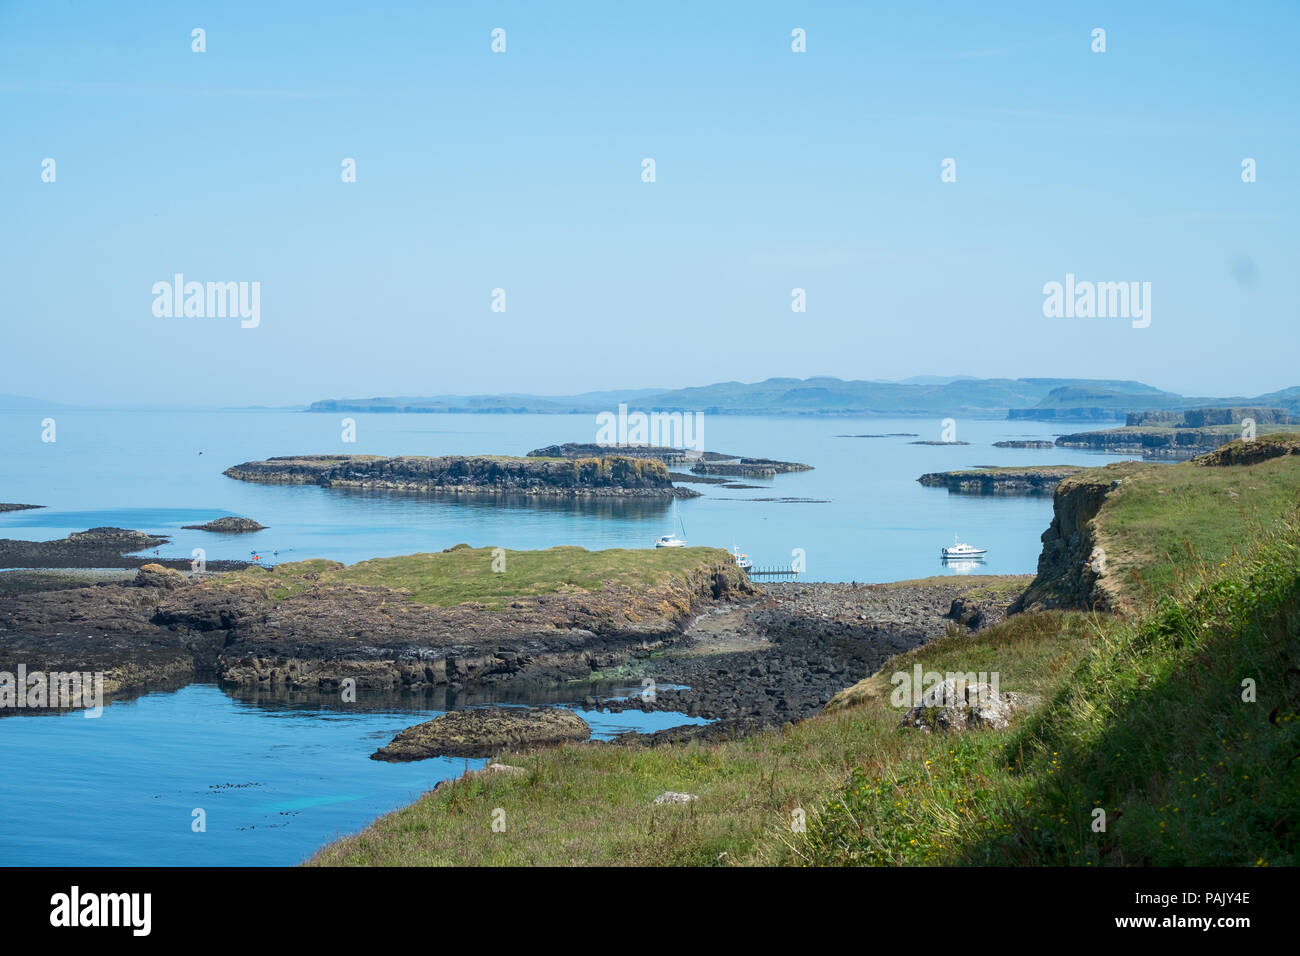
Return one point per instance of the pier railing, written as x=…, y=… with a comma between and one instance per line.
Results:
x=773, y=572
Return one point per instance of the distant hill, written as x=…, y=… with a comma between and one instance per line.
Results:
x=956, y=396
x=1103, y=402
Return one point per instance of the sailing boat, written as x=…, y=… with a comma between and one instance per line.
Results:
x=671, y=540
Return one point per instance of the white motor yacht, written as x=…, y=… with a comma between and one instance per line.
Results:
x=960, y=550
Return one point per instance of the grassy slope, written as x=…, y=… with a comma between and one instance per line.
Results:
x=464, y=574
x=1144, y=719
x=1167, y=521
x=592, y=804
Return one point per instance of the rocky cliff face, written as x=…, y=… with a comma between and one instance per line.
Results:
x=582, y=477
x=1071, y=567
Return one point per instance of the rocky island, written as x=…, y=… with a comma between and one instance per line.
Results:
x=465, y=615
x=484, y=732
x=703, y=463
x=228, y=525
x=605, y=477
x=988, y=480
x=1158, y=435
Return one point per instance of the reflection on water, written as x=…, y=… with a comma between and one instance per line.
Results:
x=963, y=565
x=439, y=698
x=276, y=775
x=586, y=506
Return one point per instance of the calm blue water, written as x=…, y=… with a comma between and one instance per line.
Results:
x=275, y=781
x=144, y=470
x=121, y=789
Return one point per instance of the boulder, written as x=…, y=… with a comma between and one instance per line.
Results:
x=156, y=576
x=956, y=705
x=673, y=796
x=966, y=613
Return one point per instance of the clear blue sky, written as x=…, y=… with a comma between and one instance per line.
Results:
x=775, y=170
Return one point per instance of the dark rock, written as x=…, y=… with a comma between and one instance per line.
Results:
x=228, y=525
x=482, y=733
x=156, y=576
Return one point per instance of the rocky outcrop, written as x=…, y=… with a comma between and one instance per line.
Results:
x=1001, y=481
x=1204, y=417
x=157, y=576
x=1240, y=452
x=483, y=733
x=782, y=657
x=1152, y=442
x=735, y=469
x=1158, y=417
x=612, y=476
x=1018, y=443
x=664, y=453
x=955, y=705
x=294, y=629
x=228, y=525
x=12, y=507
x=707, y=462
x=1071, y=569
x=96, y=548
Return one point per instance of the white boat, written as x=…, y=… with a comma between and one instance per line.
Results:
x=671, y=540
x=959, y=550
x=742, y=560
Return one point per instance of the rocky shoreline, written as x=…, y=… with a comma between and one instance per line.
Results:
x=713, y=644
x=246, y=630
x=94, y=548
x=782, y=657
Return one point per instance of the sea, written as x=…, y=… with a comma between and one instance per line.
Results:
x=201, y=775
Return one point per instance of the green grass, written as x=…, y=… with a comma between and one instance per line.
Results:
x=1165, y=522
x=592, y=804
x=1150, y=727
x=1142, y=717
x=464, y=574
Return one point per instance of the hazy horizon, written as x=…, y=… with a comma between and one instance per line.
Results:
x=775, y=170
x=577, y=393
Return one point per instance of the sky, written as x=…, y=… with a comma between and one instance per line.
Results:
x=523, y=170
